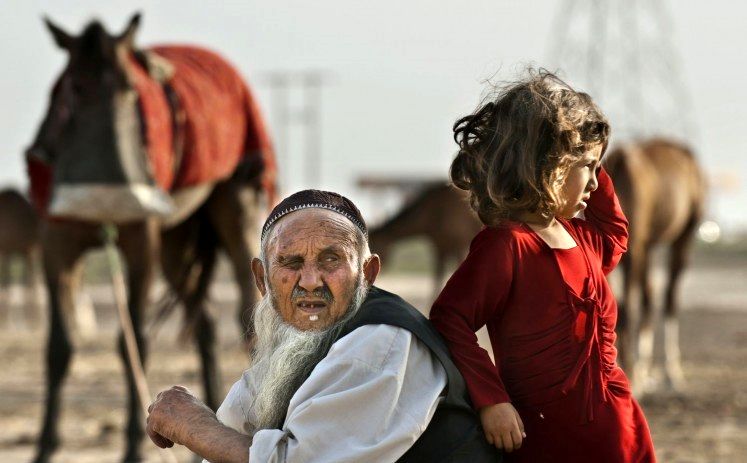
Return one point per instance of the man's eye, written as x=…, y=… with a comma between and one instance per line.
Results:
x=294, y=264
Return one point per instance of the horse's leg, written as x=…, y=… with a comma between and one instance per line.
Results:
x=5, y=315
x=629, y=313
x=62, y=249
x=234, y=210
x=140, y=246
x=678, y=257
x=646, y=328
x=85, y=314
x=33, y=295
x=439, y=269
x=205, y=336
x=25, y=289
x=190, y=279
x=625, y=354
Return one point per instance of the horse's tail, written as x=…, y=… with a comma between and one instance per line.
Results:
x=190, y=286
x=204, y=265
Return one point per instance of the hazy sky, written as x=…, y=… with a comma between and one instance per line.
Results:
x=400, y=73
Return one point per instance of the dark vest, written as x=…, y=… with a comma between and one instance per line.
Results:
x=454, y=434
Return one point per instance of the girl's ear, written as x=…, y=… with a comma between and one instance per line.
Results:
x=371, y=268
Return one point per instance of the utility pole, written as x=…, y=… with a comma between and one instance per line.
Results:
x=306, y=114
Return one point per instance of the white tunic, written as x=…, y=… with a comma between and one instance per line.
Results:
x=368, y=400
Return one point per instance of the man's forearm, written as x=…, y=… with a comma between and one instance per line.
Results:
x=218, y=443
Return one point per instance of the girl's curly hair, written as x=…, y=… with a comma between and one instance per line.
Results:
x=516, y=150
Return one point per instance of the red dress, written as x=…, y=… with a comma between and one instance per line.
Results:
x=551, y=319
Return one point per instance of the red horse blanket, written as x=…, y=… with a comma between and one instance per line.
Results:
x=218, y=124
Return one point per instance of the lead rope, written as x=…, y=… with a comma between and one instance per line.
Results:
x=109, y=232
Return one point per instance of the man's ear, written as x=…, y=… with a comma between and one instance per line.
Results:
x=371, y=268
x=258, y=269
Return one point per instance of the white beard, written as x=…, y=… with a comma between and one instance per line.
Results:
x=284, y=356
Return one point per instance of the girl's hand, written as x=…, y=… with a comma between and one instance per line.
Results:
x=503, y=426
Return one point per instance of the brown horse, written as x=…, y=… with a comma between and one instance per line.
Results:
x=20, y=239
x=662, y=192
x=441, y=214
x=167, y=144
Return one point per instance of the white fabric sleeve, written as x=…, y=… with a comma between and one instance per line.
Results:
x=367, y=401
x=233, y=412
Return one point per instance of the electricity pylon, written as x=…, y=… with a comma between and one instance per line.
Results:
x=622, y=53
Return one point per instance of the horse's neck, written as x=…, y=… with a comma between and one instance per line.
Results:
x=403, y=226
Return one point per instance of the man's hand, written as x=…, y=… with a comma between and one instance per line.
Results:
x=503, y=426
x=177, y=416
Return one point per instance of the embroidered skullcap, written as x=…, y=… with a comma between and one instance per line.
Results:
x=306, y=199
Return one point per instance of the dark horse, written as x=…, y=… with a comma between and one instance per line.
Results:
x=441, y=214
x=662, y=192
x=167, y=144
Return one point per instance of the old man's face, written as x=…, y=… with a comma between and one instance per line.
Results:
x=313, y=266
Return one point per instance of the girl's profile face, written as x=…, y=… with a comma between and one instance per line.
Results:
x=580, y=182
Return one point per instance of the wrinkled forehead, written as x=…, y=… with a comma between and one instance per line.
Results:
x=312, y=228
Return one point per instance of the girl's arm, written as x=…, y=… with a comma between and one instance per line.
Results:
x=473, y=295
x=606, y=223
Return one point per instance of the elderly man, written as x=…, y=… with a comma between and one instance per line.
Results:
x=341, y=371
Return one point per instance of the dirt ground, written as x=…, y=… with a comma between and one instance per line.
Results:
x=705, y=422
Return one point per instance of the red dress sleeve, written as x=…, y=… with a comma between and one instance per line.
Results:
x=476, y=293
x=605, y=222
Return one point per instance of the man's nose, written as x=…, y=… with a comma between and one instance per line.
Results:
x=311, y=278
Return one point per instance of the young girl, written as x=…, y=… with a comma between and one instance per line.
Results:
x=535, y=275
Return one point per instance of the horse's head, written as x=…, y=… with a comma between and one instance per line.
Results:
x=92, y=134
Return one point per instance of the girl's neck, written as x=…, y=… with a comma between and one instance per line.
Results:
x=536, y=220
x=549, y=230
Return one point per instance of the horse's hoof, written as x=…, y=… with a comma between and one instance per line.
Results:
x=42, y=457
x=47, y=446
x=133, y=457
x=674, y=384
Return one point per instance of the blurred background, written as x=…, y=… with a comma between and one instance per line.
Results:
x=360, y=98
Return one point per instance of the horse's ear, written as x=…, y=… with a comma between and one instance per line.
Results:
x=127, y=37
x=61, y=38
